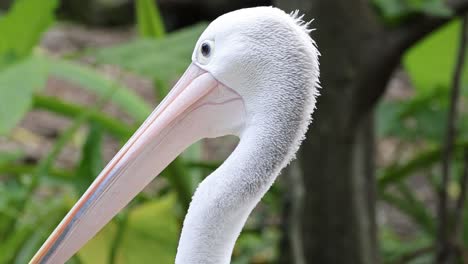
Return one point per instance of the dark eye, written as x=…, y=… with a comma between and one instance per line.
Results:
x=206, y=49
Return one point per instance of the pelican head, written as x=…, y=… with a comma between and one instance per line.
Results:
x=254, y=74
x=266, y=56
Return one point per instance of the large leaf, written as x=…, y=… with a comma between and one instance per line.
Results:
x=430, y=63
x=163, y=59
x=18, y=83
x=150, y=236
x=22, y=27
x=149, y=19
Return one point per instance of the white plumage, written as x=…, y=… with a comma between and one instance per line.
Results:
x=267, y=57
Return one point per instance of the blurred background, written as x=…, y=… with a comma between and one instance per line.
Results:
x=381, y=177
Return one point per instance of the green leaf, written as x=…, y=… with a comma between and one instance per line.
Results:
x=162, y=59
x=418, y=214
x=18, y=83
x=13, y=243
x=393, y=246
x=391, y=10
x=149, y=19
x=22, y=27
x=91, y=162
x=430, y=63
x=396, y=11
x=42, y=216
x=257, y=247
x=396, y=173
x=29, y=230
x=176, y=173
x=16, y=92
x=435, y=8
x=209, y=166
x=114, y=126
x=422, y=117
x=150, y=236
x=89, y=79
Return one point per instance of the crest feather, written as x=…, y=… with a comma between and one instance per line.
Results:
x=299, y=19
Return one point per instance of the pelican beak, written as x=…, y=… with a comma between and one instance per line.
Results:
x=198, y=106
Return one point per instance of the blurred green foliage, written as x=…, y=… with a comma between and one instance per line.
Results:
x=419, y=122
x=35, y=197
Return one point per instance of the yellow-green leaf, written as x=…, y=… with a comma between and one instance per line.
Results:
x=150, y=236
x=22, y=27
x=430, y=63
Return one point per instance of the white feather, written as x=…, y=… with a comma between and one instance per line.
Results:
x=268, y=57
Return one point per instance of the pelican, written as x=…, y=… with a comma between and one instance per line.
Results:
x=254, y=74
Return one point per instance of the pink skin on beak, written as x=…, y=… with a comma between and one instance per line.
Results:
x=197, y=107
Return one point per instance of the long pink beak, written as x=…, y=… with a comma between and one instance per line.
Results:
x=197, y=107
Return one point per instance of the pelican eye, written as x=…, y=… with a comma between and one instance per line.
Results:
x=205, y=51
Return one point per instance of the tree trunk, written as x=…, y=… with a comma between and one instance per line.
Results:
x=336, y=159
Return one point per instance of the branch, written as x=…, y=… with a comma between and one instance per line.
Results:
x=460, y=204
x=455, y=251
x=420, y=26
x=385, y=51
x=443, y=240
